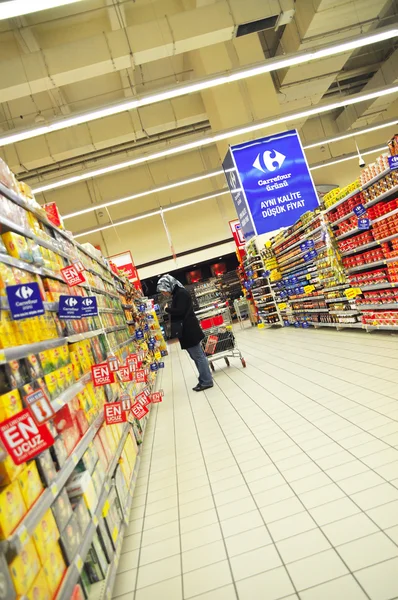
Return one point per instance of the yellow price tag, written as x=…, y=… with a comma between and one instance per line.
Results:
x=79, y=563
x=309, y=288
x=308, y=276
x=115, y=533
x=54, y=489
x=352, y=293
x=106, y=508
x=282, y=305
x=268, y=244
x=95, y=520
x=158, y=356
x=75, y=459
x=144, y=346
x=2, y=356
x=23, y=536
x=260, y=326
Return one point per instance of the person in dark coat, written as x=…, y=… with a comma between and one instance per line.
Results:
x=186, y=326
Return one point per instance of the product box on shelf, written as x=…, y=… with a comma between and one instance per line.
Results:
x=30, y=484
x=12, y=508
x=62, y=510
x=7, y=585
x=25, y=567
x=39, y=589
x=45, y=534
x=46, y=467
x=70, y=539
x=54, y=568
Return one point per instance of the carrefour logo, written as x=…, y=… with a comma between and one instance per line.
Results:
x=24, y=292
x=87, y=302
x=71, y=302
x=269, y=161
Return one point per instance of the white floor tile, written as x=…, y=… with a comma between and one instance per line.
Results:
x=287, y=462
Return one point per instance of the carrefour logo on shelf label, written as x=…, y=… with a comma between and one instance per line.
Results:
x=25, y=301
x=393, y=162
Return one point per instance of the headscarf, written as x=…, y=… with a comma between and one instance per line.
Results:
x=167, y=283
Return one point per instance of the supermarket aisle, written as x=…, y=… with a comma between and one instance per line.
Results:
x=280, y=482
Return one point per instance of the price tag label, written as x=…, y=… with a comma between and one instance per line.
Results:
x=23, y=536
x=79, y=563
x=282, y=305
x=105, y=508
x=260, y=326
x=352, y=293
x=158, y=356
x=54, y=489
x=95, y=520
x=363, y=223
x=309, y=288
x=308, y=276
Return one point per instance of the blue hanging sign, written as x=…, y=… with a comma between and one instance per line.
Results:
x=146, y=327
x=363, y=223
x=303, y=246
x=393, y=162
x=154, y=366
x=359, y=210
x=273, y=180
x=310, y=244
x=142, y=308
x=139, y=334
x=161, y=365
x=294, y=279
x=89, y=307
x=25, y=301
x=69, y=307
x=305, y=325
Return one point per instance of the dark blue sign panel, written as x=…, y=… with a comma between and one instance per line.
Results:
x=363, y=223
x=275, y=180
x=89, y=307
x=25, y=301
x=238, y=196
x=393, y=162
x=359, y=210
x=69, y=307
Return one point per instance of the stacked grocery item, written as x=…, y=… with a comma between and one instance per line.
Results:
x=69, y=364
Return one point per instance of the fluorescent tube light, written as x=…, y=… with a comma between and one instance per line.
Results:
x=352, y=157
x=16, y=8
x=281, y=62
x=152, y=213
x=162, y=188
x=353, y=133
x=362, y=97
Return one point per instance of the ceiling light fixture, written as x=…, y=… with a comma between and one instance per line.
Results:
x=17, y=8
x=353, y=133
x=152, y=213
x=352, y=157
x=281, y=62
x=162, y=188
x=348, y=101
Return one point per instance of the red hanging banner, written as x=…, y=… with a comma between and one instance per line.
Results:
x=101, y=375
x=114, y=413
x=22, y=438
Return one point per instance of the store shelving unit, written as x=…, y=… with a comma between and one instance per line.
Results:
x=116, y=336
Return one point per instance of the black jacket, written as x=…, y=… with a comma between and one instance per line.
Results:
x=181, y=309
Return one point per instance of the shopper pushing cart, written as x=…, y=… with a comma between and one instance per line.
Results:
x=185, y=326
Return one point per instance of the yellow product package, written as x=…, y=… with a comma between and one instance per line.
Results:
x=30, y=484
x=10, y=404
x=25, y=568
x=9, y=471
x=39, y=589
x=45, y=535
x=54, y=568
x=12, y=508
x=16, y=246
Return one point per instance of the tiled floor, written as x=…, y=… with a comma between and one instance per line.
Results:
x=280, y=482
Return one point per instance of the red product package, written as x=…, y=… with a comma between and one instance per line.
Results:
x=53, y=214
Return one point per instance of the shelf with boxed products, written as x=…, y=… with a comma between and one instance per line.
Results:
x=339, y=202
x=378, y=306
x=28, y=524
x=298, y=230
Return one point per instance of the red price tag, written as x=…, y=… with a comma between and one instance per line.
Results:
x=138, y=410
x=79, y=266
x=143, y=399
x=72, y=276
x=140, y=376
x=156, y=397
x=125, y=402
x=132, y=362
x=113, y=363
x=101, y=374
x=125, y=374
x=23, y=438
x=39, y=406
x=114, y=413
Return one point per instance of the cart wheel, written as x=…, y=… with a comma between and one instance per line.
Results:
x=212, y=366
x=242, y=360
x=227, y=362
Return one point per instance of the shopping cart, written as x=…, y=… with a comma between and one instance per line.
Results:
x=219, y=341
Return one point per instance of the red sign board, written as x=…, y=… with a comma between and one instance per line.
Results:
x=79, y=266
x=156, y=397
x=114, y=413
x=124, y=262
x=140, y=376
x=237, y=233
x=125, y=374
x=138, y=410
x=101, y=375
x=39, y=406
x=72, y=276
x=125, y=400
x=143, y=399
x=23, y=438
x=132, y=362
x=113, y=363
